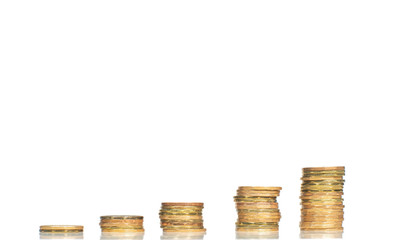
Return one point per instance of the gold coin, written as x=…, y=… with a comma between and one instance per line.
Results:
x=257, y=230
x=195, y=204
x=185, y=217
x=121, y=217
x=122, y=221
x=324, y=168
x=61, y=228
x=123, y=230
x=185, y=230
x=260, y=188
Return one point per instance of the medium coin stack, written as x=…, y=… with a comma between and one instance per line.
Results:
x=182, y=217
x=257, y=209
x=122, y=223
x=322, y=199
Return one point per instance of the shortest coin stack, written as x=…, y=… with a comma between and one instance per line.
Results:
x=257, y=209
x=61, y=229
x=122, y=223
x=182, y=217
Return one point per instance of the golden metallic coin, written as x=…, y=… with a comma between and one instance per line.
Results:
x=259, y=214
x=120, y=226
x=262, y=225
x=122, y=221
x=323, y=194
x=318, y=197
x=122, y=230
x=322, y=224
x=324, y=174
x=324, y=168
x=324, y=171
x=182, y=222
x=257, y=220
x=202, y=230
x=258, y=194
x=260, y=188
x=259, y=210
x=185, y=217
x=195, y=204
x=254, y=199
x=322, y=178
x=256, y=230
x=121, y=217
x=256, y=205
x=183, y=207
x=182, y=227
x=61, y=228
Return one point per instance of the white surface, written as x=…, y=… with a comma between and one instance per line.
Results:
x=111, y=107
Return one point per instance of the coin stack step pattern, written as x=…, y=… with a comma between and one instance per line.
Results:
x=182, y=217
x=257, y=209
x=122, y=223
x=322, y=199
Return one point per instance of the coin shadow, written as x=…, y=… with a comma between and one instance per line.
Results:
x=122, y=236
x=58, y=236
x=321, y=234
x=183, y=236
x=257, y=235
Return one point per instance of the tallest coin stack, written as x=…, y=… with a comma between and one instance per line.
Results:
x=322, y=199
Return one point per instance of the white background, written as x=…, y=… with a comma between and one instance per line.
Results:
x=111, y=107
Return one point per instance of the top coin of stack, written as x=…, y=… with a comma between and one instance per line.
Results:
x=322, y=199
x=122, y=223
x=257, y=209
x=182, y=217
x=61, y=229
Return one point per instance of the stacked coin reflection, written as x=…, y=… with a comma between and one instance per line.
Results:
x=321, y=234
x=322, y=199
x=257, y=235
x=122, y=236
x=122, y=223
x=182, y=217
x=257, y=209
x=183, y=236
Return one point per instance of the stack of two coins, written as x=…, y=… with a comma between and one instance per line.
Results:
x=122, y=224
x=257, y=209
x=61, y=232
x=61, y=229
x=322, y=199
x=182, y=217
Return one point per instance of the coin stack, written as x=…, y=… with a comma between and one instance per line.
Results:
x=122, y=223
x=57, y=232
x=182, y=217
x=61, y=229
x=322, y=199
x=257, y=209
